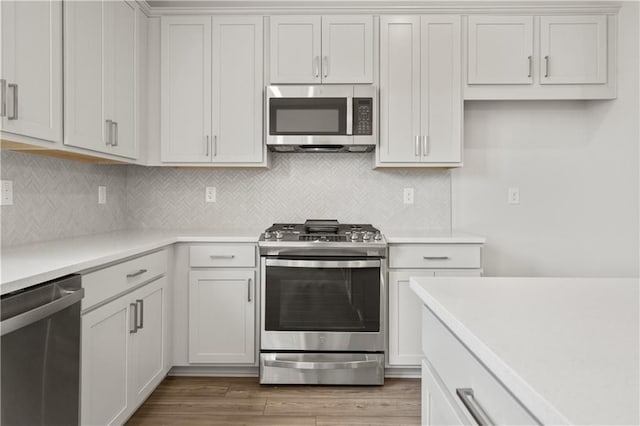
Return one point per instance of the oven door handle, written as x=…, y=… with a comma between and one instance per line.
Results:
x=306, y=365
x=353, y=264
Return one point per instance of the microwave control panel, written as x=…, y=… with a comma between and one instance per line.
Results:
x=362, y=116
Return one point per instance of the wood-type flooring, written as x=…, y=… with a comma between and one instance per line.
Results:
x=243, y=401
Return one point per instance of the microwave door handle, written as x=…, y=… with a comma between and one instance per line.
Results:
x=349, y=116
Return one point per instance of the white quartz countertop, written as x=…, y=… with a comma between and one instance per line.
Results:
x=567, y=348
x=397, y=236
x=29, y=264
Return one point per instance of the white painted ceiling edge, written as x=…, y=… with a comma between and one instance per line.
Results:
x=161, y=7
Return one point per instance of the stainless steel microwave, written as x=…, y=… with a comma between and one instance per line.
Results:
x=321, y=118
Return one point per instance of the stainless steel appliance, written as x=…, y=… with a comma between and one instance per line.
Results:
x=321, y=118
x=40, y=328
x=323, y=304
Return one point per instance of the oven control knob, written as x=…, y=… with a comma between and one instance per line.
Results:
x=378, y=236
x=279, y=235
x=354, y=236
x=366, y=236
x=267, y=235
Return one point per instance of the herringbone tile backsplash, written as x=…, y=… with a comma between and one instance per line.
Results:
x=56, y=198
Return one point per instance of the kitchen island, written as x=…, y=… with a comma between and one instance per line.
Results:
x=562, y=350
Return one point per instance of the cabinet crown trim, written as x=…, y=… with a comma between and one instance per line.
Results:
x=268, y=7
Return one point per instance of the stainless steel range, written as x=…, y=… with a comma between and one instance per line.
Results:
x=323, y=304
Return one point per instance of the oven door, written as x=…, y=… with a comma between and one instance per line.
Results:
x=322, y=305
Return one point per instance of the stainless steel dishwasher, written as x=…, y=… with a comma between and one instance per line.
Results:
x=40, y=349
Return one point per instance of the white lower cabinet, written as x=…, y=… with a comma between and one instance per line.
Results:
x=123, y=349
x=404, y=305
x=436, y=408
x=222, y=317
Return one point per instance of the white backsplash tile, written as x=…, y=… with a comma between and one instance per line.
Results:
x=55, y=198
x=295, y=188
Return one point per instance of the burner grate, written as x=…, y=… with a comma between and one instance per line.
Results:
x=311, y=237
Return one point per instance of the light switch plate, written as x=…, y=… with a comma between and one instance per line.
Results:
x=514, y=196
x=102, y=195
x=7, y=193
x=408, y=195
x=210, y=194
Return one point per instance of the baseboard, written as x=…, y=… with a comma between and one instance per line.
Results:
x=402, y=372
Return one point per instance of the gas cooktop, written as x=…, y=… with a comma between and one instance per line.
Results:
x=322, y=238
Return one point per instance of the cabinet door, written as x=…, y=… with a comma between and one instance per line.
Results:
x=121, y=87
x=399, y=89
x=221, y=317
x=500, y=49
x=347, y=49
x=147, y=343
x=105, y=347
x=186, y=89
x=441, y=106
x=295, y=49
x=405, y=317
x=573, y=49
x=437, y=410
x=237, y=89
x=32, y=65
x=84, y=110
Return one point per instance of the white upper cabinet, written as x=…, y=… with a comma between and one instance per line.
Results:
x=237, y=89
x=327, y=49
x=500, y=49
x=540, y=57
x=186, y=88
x=420, y=92
x=573, y=49
x=100, y=76
x=31, y=74
x=212, y=83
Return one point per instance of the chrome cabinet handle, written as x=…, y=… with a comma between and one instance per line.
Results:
x=115, y=134
x=417, y=151
x=206, y=145
x=215, y=145
x=425, y=146
x=530, y=65
x=325, y=66
x=222, y=256
x=135, y=274
x=476, y=411
x=133, y=324
x=436, y=257
x=14, y=115
x=249, y=290
x=3, y=97
x=140, y=303
x=107, y=132
x=546, y=66
x=316, y=66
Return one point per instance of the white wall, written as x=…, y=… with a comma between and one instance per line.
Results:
x=576, y=164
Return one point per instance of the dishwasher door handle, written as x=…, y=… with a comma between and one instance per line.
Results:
x=43, y=311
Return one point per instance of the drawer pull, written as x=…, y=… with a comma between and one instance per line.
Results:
x=436, y=257
x=222, y=256
x=135, y=274
x=476, y=411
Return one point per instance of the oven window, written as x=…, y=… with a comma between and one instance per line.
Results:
x=308, y=116
x=322, y=299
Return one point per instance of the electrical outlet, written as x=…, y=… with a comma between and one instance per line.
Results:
x=7, y=193
x=514, y=196
x=210, y=194
x=408, y=195
x=102, y=195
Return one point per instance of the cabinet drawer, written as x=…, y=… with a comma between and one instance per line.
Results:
x=113, y=280
x=233, y=255
x=455, y=365
x=434, y=256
